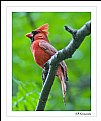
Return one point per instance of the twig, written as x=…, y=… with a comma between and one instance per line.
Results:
x=30, y=20
x=67, y=52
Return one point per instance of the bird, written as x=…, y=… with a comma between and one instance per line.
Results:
x=42, y=51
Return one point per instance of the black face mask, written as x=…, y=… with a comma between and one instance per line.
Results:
x=34, y=33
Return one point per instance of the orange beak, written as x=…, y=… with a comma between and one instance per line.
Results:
x=29, y=35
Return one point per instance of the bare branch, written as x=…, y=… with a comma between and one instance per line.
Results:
x=30, y=20
x=53, y=62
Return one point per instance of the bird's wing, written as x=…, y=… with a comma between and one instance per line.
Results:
x=64, y=68
x=47, y=47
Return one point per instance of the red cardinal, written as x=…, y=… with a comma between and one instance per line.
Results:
x=42, y=51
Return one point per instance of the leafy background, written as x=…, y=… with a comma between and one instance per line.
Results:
x=26, y=74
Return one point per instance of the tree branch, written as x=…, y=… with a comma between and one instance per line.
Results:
x=30, y=20
x=53, y=62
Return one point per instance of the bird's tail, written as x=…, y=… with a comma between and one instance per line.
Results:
x=63, y=78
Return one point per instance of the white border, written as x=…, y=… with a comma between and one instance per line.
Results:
x=9, y=57
x=8, y=81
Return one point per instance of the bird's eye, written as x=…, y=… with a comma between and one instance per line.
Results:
x=35, y=32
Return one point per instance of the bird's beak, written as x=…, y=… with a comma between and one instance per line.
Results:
x=29, y=35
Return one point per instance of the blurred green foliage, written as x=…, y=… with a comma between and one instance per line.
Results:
x=26, y=74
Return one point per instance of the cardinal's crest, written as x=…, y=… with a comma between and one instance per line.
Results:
x=43, y=28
